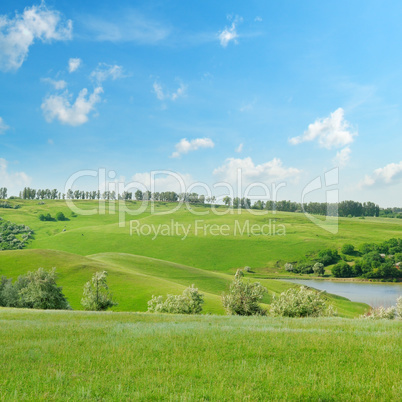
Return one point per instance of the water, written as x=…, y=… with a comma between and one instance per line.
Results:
x=373, y=294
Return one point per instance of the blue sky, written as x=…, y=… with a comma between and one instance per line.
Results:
x=285, y=91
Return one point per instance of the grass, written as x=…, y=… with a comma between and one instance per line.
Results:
x=95, y=234
x=135, y=279
x=48, y=355
x=74, y=355
x=140, y=267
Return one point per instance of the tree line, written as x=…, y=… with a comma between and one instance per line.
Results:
x=347, y=208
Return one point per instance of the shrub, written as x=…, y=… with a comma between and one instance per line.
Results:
x=247, y=269
x=8, y=293
x=348, y=249
x=300, y=302
x=305, y=268
x=328, y=256
x=97, y=296
x=380, y=313
x=60, y=216
x=189, y=302
x=289, y=267
x=46, y=217
x=342, y=270
x=244, y=297
x=39, y=290
x=318, y=268
x=399, y=307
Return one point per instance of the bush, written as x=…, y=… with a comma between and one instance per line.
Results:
x=39, y=290
x=342, y=270
x=13, y=236
x=319, y=269
x=189, y=302
x=60, y=216
x=381, y=313
x=289, y=267
x=328, y=256
x=97, y=296
x=305, y=268
x=348, y=249
x=399, y=307
x=243, y=297
x=300, y=302
x=247, y=269
x=46, y=217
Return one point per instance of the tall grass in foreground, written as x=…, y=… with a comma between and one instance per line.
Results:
x=112, y=356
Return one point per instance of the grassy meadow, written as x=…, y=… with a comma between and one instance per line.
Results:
x=128, y=354
x=140, y=266
x=59, y=355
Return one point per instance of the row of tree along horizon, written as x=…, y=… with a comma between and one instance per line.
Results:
x=343, y=208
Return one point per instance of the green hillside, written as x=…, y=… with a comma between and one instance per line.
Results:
x=140, y=266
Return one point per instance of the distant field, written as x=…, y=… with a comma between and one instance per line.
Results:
x=87, y=235
x=140, y=267
x=52, y=355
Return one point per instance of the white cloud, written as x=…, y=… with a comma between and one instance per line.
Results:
x=388, y=175
x=342, y=157
x=162, y=95
x=59, y=107
x=185, y=146
x=164, y=181
x=330, y=132
x=105, y=71
x=268, y=172
x=239, y=148
x=3, y=126
x=73, y=64
x=19, y=33
x=130, y=27
x=228, y=35
x=158, y=91
x=13, y=181
x=181, y=91
x=60, y=84
x=258, y=19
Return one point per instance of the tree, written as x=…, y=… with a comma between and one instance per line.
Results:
x=60, y=216
x=39, y=290
x=190, y=302
x=244, y=297
x=319, y=269
x=97, y=296
x=348, y=249
x=138, y=195
x=342, y=270
x=227, y=201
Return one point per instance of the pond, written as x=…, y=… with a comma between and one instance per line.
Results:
x=373, y=294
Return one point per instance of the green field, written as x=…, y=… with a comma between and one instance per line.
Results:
x=129, y=354
x=140, y=266
x=49, y=355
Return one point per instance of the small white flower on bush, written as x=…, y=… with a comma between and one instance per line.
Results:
x=380, y=313
x=190, y=302
x=385, y=313
x=399, y=307
x=289, y=267
x=301, y=302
